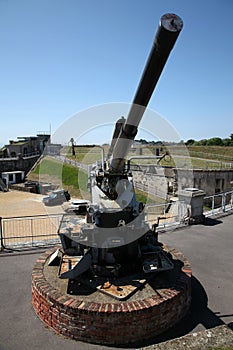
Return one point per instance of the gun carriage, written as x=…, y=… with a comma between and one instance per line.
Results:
x=114, y=245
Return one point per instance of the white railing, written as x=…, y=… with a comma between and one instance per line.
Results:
x=218, y=203
x=155, y=191
x=166, y=215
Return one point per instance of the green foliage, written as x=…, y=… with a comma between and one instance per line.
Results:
x=200, y=143
x=227, y=142
x=190, y=142
x=214, y=141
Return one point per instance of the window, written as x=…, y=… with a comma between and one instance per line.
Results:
x=11, y=177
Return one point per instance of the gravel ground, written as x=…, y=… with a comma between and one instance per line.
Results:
x=17, y=203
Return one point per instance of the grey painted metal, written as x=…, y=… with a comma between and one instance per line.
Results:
x=169, y=28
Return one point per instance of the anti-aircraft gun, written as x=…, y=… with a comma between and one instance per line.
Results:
x=115, y=240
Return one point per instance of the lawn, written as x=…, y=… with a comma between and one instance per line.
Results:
x=74, y=180
x=63, y=175
x=197, y=157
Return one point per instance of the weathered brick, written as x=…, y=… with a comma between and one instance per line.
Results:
x=108, y=323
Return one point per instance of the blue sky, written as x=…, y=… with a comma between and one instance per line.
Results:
x=59, y=57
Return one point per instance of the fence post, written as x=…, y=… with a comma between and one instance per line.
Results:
x=1, y=236
x=224, y=202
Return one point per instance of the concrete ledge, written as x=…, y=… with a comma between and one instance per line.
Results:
x=221, y=336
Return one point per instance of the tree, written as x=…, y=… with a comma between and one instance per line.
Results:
x=226, y=142
x=190, y=142
x=202, y=142
x=214, y=141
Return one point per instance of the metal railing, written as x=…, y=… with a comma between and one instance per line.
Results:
x=17, y=233
x=166, y=215
x=218, y=203
x=21, y=155
x=159, y=192
x=29, y=231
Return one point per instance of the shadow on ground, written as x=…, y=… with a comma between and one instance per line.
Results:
x=199, y=314
x=212, y=222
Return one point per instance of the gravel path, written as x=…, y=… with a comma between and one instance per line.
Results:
x=17, y=203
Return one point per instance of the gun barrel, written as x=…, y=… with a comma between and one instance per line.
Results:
x=169, y=28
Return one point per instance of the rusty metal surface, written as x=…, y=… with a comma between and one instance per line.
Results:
x=123, y=289
x=68, y=263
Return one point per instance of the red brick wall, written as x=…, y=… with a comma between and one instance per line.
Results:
x=111, y=323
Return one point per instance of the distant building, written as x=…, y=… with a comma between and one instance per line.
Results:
x=12, y=177
x=53, y=149
x=25, y=146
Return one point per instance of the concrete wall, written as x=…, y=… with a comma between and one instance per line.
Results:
x=158, y=183
x=163, y=180
x=15, y=164
x=13, y=177
x=210, y=181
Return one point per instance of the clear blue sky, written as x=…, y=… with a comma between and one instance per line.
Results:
x=59, y=57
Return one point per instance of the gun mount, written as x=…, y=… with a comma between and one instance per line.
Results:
x=115, y=241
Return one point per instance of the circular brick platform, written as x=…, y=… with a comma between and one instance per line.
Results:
x=98, y=318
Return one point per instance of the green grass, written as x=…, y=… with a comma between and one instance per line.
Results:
x=64, y=175
x=75, y=180
x=198, y=157
x=85, y=155
x=220, y=153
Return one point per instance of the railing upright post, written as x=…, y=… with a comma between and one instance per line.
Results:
x=1, y=236
x=213, y=205
x=164, y=215
x=32, y=230
x=224, y=202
